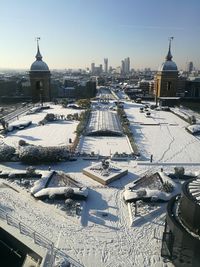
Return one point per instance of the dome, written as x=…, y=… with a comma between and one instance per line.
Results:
x=39, y=65
x=168, y=65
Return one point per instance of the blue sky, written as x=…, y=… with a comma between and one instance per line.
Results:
x=75, y=33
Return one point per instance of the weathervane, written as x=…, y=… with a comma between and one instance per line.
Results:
x=37, y=40
x=170, y=39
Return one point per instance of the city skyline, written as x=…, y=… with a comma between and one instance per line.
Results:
x=76, y=33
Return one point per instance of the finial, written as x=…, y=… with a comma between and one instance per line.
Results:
x=38, y=55
x=169, y=55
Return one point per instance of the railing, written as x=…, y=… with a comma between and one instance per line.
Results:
x=16, y=113
x=38, y=239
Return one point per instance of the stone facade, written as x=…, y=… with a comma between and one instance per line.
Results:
x=40, y=79
x=40, y=86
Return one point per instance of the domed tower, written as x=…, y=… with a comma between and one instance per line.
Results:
x=40, y=79
x=167, y=77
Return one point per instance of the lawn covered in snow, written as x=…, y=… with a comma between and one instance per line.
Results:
x=167, y=140
x=104, y=145
x=55, y=133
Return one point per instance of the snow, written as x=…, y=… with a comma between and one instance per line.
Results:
x=103, y=237
x=41, y=183
x=104, y=176
x=168, y=141
x=55, y=133
x=147, y=191
x=104, y=120
x=33, y=110
x=60, y=191
x=156, y=194
x=194, y=128
x=166, y=178
x=186, y=113
x=104, y=145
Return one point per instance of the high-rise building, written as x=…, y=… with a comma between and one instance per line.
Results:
x=92, y=67
x=122, y=67
x=127, y=65
x=100, y=68
x=190, y=67
x=105, y=65
x=40, y=79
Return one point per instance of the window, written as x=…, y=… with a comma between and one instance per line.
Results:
x=169, y=86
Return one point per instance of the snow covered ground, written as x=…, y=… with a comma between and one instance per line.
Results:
x=104, y=145
x=168, y=141
x=51, y=134
x=103, y=235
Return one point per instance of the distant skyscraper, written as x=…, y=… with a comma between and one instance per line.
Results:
x=92, y=67
x=122, y=67
x=190, y=67
x=100, y=68
x=127, y=65
x=105, y=65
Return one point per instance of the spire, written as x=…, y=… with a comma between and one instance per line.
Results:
x=169, y=55
x=38, y=55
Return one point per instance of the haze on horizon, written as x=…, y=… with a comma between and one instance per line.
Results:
x=75, y=33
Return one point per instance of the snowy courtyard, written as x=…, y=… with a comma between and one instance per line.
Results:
x=103, y=235
x=55, y=133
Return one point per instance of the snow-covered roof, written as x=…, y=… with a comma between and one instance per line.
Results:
x=19, y=122
x=60, y=191
x=136, y=194
x=104, y=122
x=194, y=128
x=41, y=183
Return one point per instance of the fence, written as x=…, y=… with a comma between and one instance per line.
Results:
x=39, y=240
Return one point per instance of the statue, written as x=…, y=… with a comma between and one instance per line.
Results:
x=105, y=164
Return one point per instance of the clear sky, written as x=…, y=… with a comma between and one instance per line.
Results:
x=75, y=33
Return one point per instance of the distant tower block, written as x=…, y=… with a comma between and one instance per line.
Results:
x=40, y=79
x=167, y=77
x=105, y=65
x=190, y=67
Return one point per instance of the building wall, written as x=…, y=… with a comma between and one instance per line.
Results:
x=40, y=86
x=166, y=84
x=192, y=89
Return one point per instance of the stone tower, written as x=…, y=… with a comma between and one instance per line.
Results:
x=167, y=77
x=40, y=79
